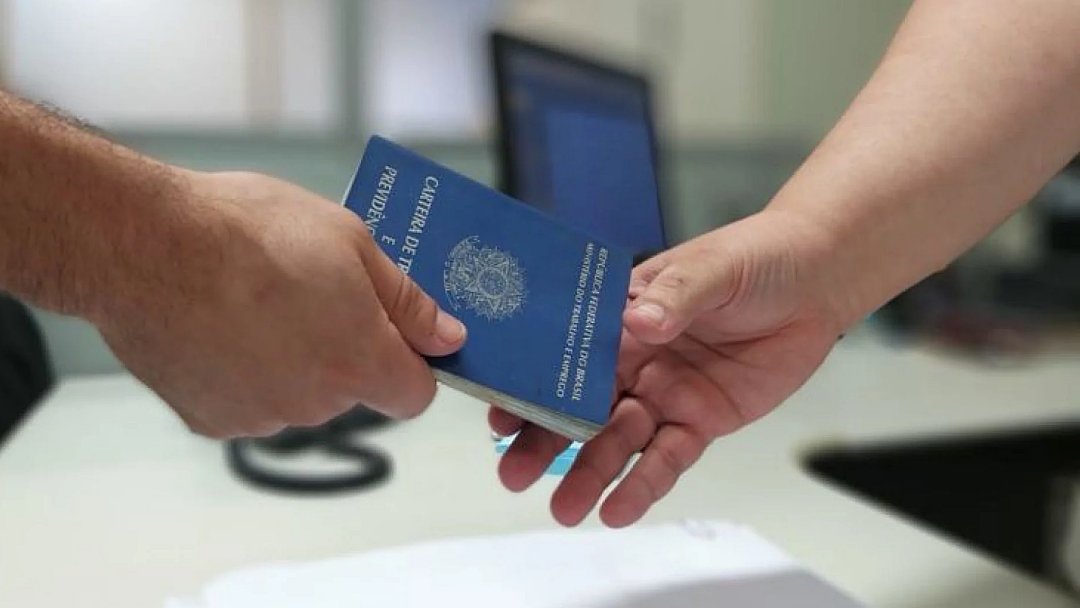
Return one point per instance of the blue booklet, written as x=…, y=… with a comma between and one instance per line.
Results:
x=542, y=300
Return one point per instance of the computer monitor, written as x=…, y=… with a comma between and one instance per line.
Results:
x=577, y=140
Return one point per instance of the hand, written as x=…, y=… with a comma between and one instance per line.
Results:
x=276, y=308
x=718, y=332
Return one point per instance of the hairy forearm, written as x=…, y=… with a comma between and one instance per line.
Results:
x=85, y=225
x=975, y=106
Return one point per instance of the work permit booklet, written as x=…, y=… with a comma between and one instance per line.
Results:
x=542, y=300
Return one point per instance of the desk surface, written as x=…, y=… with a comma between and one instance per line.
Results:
x=106, y=500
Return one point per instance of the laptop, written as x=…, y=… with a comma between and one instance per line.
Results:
x=577, y=139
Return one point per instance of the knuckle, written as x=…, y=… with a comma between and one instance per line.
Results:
x=415, y=407
x=647, y=272
x=298, y=417
x=215, y=433
x=264, y=427
x=673, y=280
x=670, y=462
x=322, y=415
x=334, y=411
x=623, y=445
x=272, y=428
x=652, y=489
x=193, y=423
x=409, y=301
x=338, y=376
x=281, y=412
x=669, y=289
x=402, y=294
x=195, y=427
x=716, y=425
x=411, y=412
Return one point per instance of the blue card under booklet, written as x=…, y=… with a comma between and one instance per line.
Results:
x=542, y=300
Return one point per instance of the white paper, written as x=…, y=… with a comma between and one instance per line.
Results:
x=683, y=565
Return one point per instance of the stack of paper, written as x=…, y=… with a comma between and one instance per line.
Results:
x=683, y=565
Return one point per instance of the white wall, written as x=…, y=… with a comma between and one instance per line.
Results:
x=93, y=59
x=732, y=68
x=5, y=40
x=425, y=67
x=716, y=72
x=702, y=54
x=818, y=55
x=724, y=68
x=172, y=63
x=310, y=83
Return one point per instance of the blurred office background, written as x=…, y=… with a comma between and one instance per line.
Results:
x=745, y=88
x=293, y=87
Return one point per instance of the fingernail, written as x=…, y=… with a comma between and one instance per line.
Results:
x=652, y=312
x=448, y=329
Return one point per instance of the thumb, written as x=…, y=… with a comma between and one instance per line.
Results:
x=419, y=319
x=671, y=291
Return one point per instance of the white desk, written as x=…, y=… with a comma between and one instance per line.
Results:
x=106, y=501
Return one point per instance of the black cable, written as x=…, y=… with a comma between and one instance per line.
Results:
x=338, y=438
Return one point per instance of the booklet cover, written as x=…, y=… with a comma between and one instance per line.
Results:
x=542, y=300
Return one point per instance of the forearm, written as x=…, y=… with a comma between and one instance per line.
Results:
x=83, y=222
x=974, y=107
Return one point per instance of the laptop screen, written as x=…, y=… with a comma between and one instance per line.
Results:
x=579, y=144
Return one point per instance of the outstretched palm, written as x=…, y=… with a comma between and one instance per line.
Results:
x=756, y=335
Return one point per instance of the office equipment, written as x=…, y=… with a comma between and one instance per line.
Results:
x=577, y=139
x=341, y=440
x=26, y=368
x=1044, y=288
x=1012, y=478
x=542, y=300
x=690, y=564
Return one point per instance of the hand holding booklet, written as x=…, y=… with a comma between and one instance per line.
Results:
x=543, y=305
x=542, y=301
